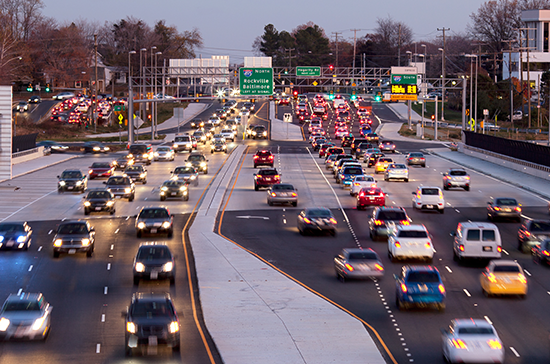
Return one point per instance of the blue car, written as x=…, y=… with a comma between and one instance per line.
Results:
x=419, y=286
x=347, y=173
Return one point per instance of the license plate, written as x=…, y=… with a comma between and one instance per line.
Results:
x=153, y=341
x=72, y=251
x=173, y=193
x=153, y=230
x=10, y=243
x=70, y=187
x=371, y=198
x=487, y=248
x=268, y=179
x=429, y=206
x=154, y=274
x=98, y=208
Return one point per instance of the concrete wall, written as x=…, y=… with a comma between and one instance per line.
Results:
x=27, y=155
x=5, y=131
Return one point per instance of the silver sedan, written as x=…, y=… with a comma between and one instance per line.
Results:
x=25, y=315
x=282, y=193
x=397, y=171
x=358, y=263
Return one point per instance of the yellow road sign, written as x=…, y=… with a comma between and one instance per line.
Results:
x=315, y=83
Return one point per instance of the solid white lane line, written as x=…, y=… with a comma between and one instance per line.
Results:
x=102, y=317
x=105, y=290
x=448, y=269
x=527, y=272
x=116, y=231
x=98, y=348
x=50, y=232
x=30, y=268
x=488, y=320
x=108, y=266
x=19, y=292
x=40, y=248
x=505, y=252
x=514, y=351
x=467, y=293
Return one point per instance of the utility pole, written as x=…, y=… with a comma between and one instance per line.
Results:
x=443, y=73
x=399, y=47
x=336, y=36
x=95, y=101
x=289, y=50
x=354, y=48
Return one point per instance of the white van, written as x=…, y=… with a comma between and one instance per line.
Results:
x=476, y=240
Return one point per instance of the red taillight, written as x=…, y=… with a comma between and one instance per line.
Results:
x=91, y=171
x=294, y=194
x=522, y=278
x=362, y=194
x=494, y=344
x=428, y=245
x=255, y=157
x=381, y=194
x=307, y=221
x=546, y=253
x=403, y=287
x=332, y=220
x=378, y=222
x=441, y=288
x=459, y=344
x=276, y=176
x=491, y=277
x=273, y=194
x=349, y=267
x=378, y=267
x=497, y=208
x=397, y=244
x=270, y=157
x=518, y=209
x=405, y=222
x=499, y=249
x=461, y=247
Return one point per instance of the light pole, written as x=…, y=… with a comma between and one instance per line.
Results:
x=471, y=84
x=422, y=93
x=153, y=96
x=475, y=102
x=141, y=81
x=155, y=91
x=442, y=82
x=130, y=100
x=409, y=54
x=130, y=65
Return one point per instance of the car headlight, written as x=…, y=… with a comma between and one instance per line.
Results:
x=212, y=146
x=78, y=183
x=174, y=327
x=145, y=155
x=85, y=242
x=96, y=149
x=175, y=145
x=188, y=164
x=127, y=190
x=156, y=154
x=140, y=267
x=265, y=133
x=142, y=175
x=166, y=224
x=87, y=203
x=141, y=225
x=193, y=177
x=164, y=188
x=38, y=323
x=203, y=164
x=21, y=238
x=168, y=267
x=131, y=327
x=110, y=203
x=57, y=242
x=1, y=238
x=225, y=147
x=4, y=324
x=62, y=183
x=183, y=188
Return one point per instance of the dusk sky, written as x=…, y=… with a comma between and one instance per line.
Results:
x=230, y=27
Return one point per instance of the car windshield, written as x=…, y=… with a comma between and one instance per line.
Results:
x=430, y=191
x=182, y=139
x=264, y=154
x=173, y=183
x=475, y=330
x=151, y=309
x=319, y=213
x=538, y=226
x=268, y=172
x=153, y=214
x=506, y=202
x=138, y=149
x=21, y=305
x=398, y=166
x=412, y=234
x=11, y=227
x=363, y=256
x=118, y=181
x=385, y=160
x=416, y=155
x=423, y=277
x=153, y=252
x=392, y=215
x=458, y=173
x=183, y=170
x=99, y=194
x=195, y=158
x=506, y=268
x=282, y=187
x=353, y=171
x=163, y=149
x=73, y=229
x=71, y=174
x=101, y=165
x=133, y=169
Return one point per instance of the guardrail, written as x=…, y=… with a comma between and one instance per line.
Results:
x=24, y=153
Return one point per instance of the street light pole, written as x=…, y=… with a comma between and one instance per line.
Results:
x=152, y=101
x=130, y=100
x=442, y=83
x=471, y=85
x=155, y=104
x=141, y=81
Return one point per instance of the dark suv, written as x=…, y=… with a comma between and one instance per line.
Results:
x=384, y=219
x=72, y=180
x=72, y=237
x=151, y=319
x=136, y=173
x=121, y=186
x=142, y=153
x=98, y=201
x=266, y=178
x=263, y=158
x=154, y=261
x=154, y=220
x=199, y=161
x=419, y=286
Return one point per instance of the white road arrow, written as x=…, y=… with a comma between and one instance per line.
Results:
x=253, y=217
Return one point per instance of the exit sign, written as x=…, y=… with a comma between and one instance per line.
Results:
x=308, y=71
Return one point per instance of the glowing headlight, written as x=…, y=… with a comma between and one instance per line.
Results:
x=142, y=175
x=141, y=225
x=188, y=164
x=4, y=323
x=131, y=327
x=203, y=164
x=140, y=267
x=175, y=145
x=21, y=238
x=96, y=149
x=212, y=146
x=38, y=323
x=107, y=148
x=110, y=203
x=78, y=183
x=183, y=188
x=193, y=177
x=57, y=242
x=87, y=203
x=225, y=147
x=145, y=155
x=164, y=188
x=85, y=242
x=62, y=183
x=156, y=154
x=168, y=267
x=174, y=327
x=166, y=224
x=1, y=239
x=127, y=190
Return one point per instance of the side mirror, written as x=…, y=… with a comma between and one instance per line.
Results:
x=452, y=234
x=57, y=176
x=395, y=277
x=92, y=229
x=104, y=182
x=413, y=193
x=444, y=331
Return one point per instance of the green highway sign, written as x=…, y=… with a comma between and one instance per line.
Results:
x=118, y=108
x=403, y=79
x=256, y=81
x=308, y=71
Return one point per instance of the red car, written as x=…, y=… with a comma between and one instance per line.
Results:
x=334, y=150
x=263, y=158
x=266, y=178
x=370, y=197
x=101, y=169
x=323, y=149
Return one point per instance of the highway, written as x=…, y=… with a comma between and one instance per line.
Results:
x=88, y=295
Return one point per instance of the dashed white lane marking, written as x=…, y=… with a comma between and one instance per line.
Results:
x=112, y=246
x=102, y=317
x=63, y=219
x=448, y=269
x=527, y=272
x=127, y=217
x=116, y=231
x=50, y=232
x=108, y=266
x=457, y=211
x=284, y=221
x=514, y=351
x=487, y=319
x=505, y=252
x=98, y=348
x=105, y=290
x=39, y=248
x=30, y=268
x=19, y=292
x=467, y=293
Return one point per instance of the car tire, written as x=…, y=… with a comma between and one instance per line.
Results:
x=145, y=182
x=162, y=198
x=489, y=217
x=131, y=198
x=186, y=198
x=256, y=188
x=270, y=203
x=406, y=180
x=55, y=254
x=445, y=187
x=112, y=211
x=442, y=211
x=136, y=281
x=399, y=303
x=211, y=152
x=86, y=212
x=139, y=234
x=467, y=188
x=206, y=171
x=333, y=232
x=89, y=253
x=294, y=204
x=441, y=307
x=170, y=233
x=255, y=166
x=392, y=257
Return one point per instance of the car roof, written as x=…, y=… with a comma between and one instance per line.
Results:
x=357, y=250
x=471, y=322
x=413, y=227
x=477, y=224
x=504, y=262
x=419, y=268
x=24, y=296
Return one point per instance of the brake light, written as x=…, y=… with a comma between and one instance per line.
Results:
x=499, y=249
x=441, y=288
x=332, y=220
x=405, y=222
x=397, y=244
x=270, y=157
x=428, y=245
x=91, y=171
x=255, y=157
x=461, y=247
x=522, y=278
x=273, y=194
x=362, y=194
x=418, y=195
x=378, y=267
x=294, y=194
x=349, y=267
x=378, y=222
x=467, y=177
x=276, y=176
x=494, y=344
x=440, y=194
x=497, y=208
x=546, y=253
x=381, y=194
x=357, y=184
x=459, y=344
x=491, y=277
x=518, y=209
x=307, y=221
x=403, y=288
